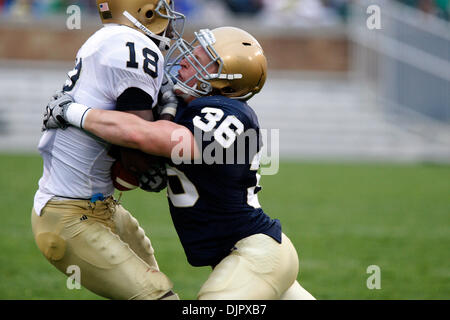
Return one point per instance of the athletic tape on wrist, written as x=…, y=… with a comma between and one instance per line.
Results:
x=76, y=114
x=169, y=110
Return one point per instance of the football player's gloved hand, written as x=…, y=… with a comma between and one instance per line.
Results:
x=55, y=112
x=168, y=101
x=155, y=178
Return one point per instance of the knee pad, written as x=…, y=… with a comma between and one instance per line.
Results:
x=51, y=245
x=158, y=280
x=155, y=285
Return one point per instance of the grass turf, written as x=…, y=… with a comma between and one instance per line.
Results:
x=342, y=218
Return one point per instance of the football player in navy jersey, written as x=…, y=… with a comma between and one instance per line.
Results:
x=214, y=145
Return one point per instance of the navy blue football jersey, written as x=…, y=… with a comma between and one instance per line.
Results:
x=213, y=202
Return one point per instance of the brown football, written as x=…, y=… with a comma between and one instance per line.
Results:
x=136, y=161
x=123, y=179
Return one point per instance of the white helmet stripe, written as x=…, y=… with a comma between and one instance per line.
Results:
x=225, y=76
x=164, y=40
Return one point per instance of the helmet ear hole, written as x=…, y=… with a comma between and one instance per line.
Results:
x=228, y=90
x=149, y=14
x=247, y=44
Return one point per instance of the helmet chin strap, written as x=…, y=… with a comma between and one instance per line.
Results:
x=164, y=42
x=186, y=93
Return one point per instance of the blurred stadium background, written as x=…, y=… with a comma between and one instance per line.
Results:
x=364, y=120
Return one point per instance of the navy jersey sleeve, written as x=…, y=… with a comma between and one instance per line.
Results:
x=133, y=99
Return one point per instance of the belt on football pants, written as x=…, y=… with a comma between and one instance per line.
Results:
x=93, y=199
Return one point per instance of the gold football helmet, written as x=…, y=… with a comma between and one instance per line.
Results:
x=156, y=18
x=242, y=65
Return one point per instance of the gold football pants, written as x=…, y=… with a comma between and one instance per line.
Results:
x=106, y=243
x=259, y=268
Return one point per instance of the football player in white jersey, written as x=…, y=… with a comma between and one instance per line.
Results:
x=75, y=219
x=215, y=208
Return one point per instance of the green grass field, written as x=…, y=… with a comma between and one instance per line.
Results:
x=342, y=218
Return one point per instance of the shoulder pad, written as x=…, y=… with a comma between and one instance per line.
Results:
x=234, y=107
x=123, y=47
x=128, y=59
x=219, y=102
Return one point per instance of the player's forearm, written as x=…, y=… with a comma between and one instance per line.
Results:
x=113, y=126
x=159, y=138
x=167, y=139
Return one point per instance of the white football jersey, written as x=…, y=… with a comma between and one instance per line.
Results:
x=77, y=165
